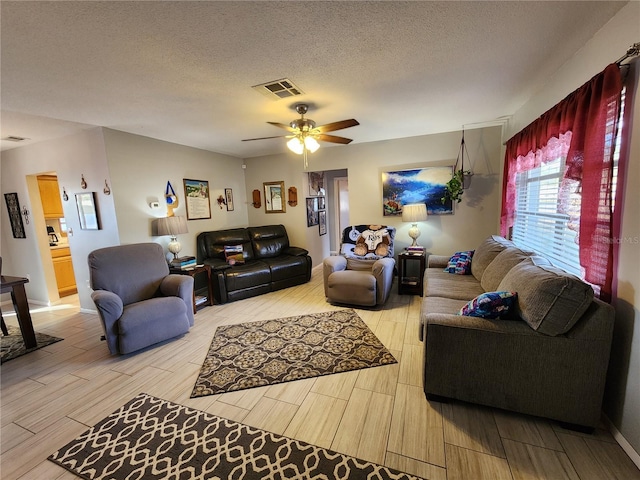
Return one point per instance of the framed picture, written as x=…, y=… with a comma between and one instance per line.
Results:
x=321, y=204
x=322, y=222
x=274, y=197
x=312, y=211
x=228, y=193
x=87, y=213
x=15, y=216
x=196, y=194
x=316, y=183
x=419, y=185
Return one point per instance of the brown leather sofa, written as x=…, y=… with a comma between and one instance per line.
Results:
x=270, y=263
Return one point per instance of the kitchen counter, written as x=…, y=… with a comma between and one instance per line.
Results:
x=59, y=246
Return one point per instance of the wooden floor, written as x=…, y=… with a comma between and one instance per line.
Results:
x=380, y=414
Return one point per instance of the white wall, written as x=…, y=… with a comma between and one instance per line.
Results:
x=140, y=168
x=622, y=397
x=474, y=219
x=69, y=157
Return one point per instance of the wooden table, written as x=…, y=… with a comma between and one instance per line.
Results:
x=208, y=292
x=15, y=285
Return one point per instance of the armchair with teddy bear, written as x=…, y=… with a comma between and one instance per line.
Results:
x=363, y=272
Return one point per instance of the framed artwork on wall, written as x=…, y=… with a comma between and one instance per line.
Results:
x=312, y=211
x=15, y=216
x=87, y=213
x=228, y=193
x=418, y=185
x=321, y=204
x=322, y=222
x=196, y=194
x=274, y=197
x=316, y=183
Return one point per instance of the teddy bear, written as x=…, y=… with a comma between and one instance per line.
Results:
x=375, y=239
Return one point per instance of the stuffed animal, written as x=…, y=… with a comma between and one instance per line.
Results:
x=375, y=239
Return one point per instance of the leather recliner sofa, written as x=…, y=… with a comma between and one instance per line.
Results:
x=269, y=262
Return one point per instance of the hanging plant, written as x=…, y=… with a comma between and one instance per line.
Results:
x=461, y=179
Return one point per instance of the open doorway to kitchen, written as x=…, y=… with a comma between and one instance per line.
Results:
x=53, y=236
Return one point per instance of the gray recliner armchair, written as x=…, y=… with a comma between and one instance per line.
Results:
x=139, y=302
x=363, y=272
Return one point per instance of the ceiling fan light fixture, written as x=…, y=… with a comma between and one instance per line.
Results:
x=296, y=145
x=311, y=144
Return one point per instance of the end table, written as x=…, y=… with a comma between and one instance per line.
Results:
x=411, y=267
x=204, y=296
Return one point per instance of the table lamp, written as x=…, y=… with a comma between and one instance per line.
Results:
x=414, y=213
x=173, y=226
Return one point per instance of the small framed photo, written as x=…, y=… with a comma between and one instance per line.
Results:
x=321, y=205
x=228, y=193
x=196, y=193
x=312, y=211
x=322, y=222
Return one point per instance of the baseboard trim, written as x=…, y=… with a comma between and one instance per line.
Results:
x=626, y=446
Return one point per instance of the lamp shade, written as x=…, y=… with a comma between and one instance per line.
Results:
x=414, y=212
x=172, y=225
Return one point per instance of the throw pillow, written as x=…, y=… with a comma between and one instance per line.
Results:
x=489, y=305
x=460, y=263
x=233, y=254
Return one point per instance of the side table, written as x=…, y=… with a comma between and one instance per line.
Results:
x=204, y=296
x=411, y=267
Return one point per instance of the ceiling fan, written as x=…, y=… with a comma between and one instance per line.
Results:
x=304, y=134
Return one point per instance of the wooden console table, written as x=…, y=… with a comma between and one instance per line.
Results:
x=15, y=285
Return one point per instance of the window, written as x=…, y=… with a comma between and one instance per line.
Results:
x=539, y=224
x=547, y=206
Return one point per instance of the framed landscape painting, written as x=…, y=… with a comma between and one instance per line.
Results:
x=418, y=185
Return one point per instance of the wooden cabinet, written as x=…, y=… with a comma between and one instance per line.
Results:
x=63, y=267
x=50, y=196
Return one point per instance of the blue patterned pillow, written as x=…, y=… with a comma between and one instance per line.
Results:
x=489, y=305
x=460, y=263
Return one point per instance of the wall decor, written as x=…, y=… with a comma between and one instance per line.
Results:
x=274, y=197
x=15, y=215
x=256, y=198
x=86, y=203
x=83, y=182
x=321, y=203
x=293, y=196
x=171, y=198
x=106, y=190
x=221, y=201
x=65, y=197
x=316, y=183
x=196, y=194
x=229, y=194
x=322, y=222
x=312, y=211
x=418, y=185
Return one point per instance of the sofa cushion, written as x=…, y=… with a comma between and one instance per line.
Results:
x=489, y=305
x=438, y=283
x=486, y=252
x=460, y=263
x=213, y=243
x=550, y=300
x=268, y=241
x=498, y=268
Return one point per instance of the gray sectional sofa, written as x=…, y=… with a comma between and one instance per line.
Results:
x=548, y=358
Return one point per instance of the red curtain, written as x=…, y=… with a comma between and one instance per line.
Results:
x=590, y=114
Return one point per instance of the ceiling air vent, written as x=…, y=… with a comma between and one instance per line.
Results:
x=278, y=89
x=13, y=138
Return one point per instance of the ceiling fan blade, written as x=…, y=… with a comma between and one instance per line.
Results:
x=264, y=138
x=331, y=127
x=281, y=125
x=333, y=139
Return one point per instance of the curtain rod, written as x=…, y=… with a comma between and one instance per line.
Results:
x=632, y=51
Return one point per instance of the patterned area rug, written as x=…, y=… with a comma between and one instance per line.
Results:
x=150, y=438
x=12, y=345
x=275, y=351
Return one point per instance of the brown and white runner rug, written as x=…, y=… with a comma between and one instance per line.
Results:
x=267, y=352
x=154, y=439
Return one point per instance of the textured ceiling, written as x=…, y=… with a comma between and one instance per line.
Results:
x=183, y=71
